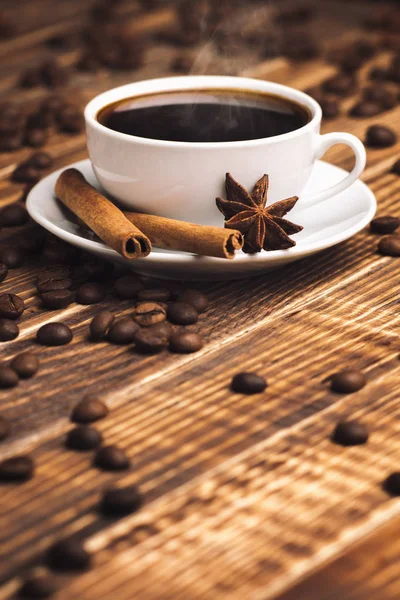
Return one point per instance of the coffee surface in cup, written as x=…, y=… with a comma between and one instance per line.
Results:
x=204, y=116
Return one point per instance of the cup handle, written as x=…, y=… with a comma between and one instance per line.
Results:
x=324, y=143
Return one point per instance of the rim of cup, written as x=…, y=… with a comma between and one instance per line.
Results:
x=200, y=82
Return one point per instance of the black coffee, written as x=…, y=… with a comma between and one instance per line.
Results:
x=205, y=116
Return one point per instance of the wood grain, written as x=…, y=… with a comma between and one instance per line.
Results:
x=245, y=496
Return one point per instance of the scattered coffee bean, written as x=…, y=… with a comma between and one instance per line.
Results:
x=90, y=293
x=13, y=215
x=37, y=586
x=98, y=270
x=162, y=329
x=365, y=109
x=11, y=306
x=123, y=331
x=128, y=287
x=50, y=273
x=154, y=295
x=341, y=85
x=384, y=225
x=25, y=364
x=396, y=168
x=111, y=458
x=8, y=378
x=385, y=97
x=70, y=119
x=350, y=433
x=391, y=485
x=147, y=314
x=32, y=242
x=54, y=284
x=54, y=334
x=59, y=253
x=53, y=74
x=248, y=383
x=148, y=341
x=68, y=554
x=378, y=74
x=30, y=78
x=195, y=298
x=121, y=501
x=12, y=142
x=389, y=245
x=16, y=469
x=40, y=160
x=83, y=438
x=88, y=410
x=330, y=108
x=57, y=299
x=379, y=136
x=13, y=257
x=36, y=138
x=9, y=330
x=4, y=428
x=347, y=381
x=182, y=313
x=26, y=173
x=185, y=342
x=3, y=271
x=100, y=325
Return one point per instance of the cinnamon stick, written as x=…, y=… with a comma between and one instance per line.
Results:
x=188, y=237
x=101, y=215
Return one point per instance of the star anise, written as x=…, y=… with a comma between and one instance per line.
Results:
x=263, y=227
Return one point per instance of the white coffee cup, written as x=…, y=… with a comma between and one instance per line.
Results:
x=181, y=180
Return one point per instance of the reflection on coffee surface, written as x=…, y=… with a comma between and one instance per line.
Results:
x=204, y=116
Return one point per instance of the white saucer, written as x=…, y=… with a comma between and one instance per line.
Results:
x=325, y=224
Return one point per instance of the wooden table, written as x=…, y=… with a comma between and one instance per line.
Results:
x=245, y=496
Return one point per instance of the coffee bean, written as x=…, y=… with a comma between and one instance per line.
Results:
x=90, y=293
x=384, y=225
x=88, y=62
x=248, y=383
x=366, y=108
x=100, y=325
x=37, y=586
x=154, y=295
x=148, y=341
x=25, y=364
x=162, y=329
x=53, y=74
x=385, y=97
x=26, y=173
x=351, y=62
x=111, y=458
x=378, y=74
x=54, y=334
x=147, y=314
x=389, y=245
x=68, y=554
x=57, y=299
x=12, y=142
x=40, y=160
x=341, y=85
x=11, y=306
x=185, y=342
x=379, y=136
x=16, y=469
x=128, y=287
x=121, y=501
x=60, y=253
x=391, y=485
x=50, y=273
x=9, y=330
x=54, y=284
x=4, y=428
x=330, y=108
x=395, y=169
x=83, y=438
x=30, y=78
x=8, y=378
x=3, y=271
x=98, y=270
x=13, y=215
x=182, y=313
x=36, y=138
x=88, y=410
x=350, y=433
x=195, y=298
x=13, y=257
x=348, y=381
x=123, y=331
x=32, y=242
x=70, y=119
